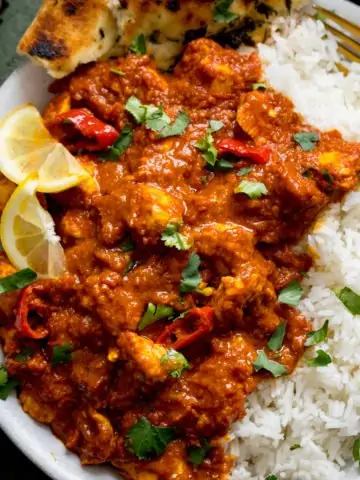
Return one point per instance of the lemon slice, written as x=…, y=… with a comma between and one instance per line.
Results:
x=27, y=148
x=27, y=233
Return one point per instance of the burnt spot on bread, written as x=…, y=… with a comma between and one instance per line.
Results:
x=47, y=48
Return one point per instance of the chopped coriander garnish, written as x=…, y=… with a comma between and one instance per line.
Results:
x=3, y=375
x=317, y=336
x=253, y=190
x=215, y=125
x=127, y=245
x=7, y=384
x=307, y=140
x=244, y=171
x=190, y=277
x=172, y=238
x=138, y=45
x=17, y=280
x=327, y=176
x=356, y=450
x=146, y=440
x=196, y=454
x=221, y=13
x=350, y=299
x=136, y=109
x=24, y=355
x=207, y=148
x=271, y=477
x=181, y=122
x=122, y=143
x=204, y=180
x=263, y=363
x=153, y=313
x=259, y=86
x=223, y=165
x=129, y=267
x=174, y=362
x=276, y=340
x=61, y=354
x=295, y=446
x=155, y=118
x=321, y=360
x=117, y=72
x=291, y=295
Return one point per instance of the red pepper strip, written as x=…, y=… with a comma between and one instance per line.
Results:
x=259, y=155
x=21, y=321
x=91, y=127
x=203, y=318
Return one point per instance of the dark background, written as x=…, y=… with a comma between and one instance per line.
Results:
x=13, y=21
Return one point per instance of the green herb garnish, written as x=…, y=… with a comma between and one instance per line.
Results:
x=207, y=148
x=327, y=176
x=215, y=125
x=221, y=13
x=3, y=375
x=356, y=450
x=295, y=446
x=117, y=72
x=196, y=454
x=174, y=362
x=259, y=86
x=317, y=336
x=350, y=299
x=153, y=313
x=61, y=354
x=127, y=245
x=190, y=277
x=291, y=295
x=138, y=45
x=146, y=440
x=120, y=146
x=253, y=190
x=263, y=363
x=244, y=171
x=180, y=124
x=7, y=384
x=271, y=477
x=129, y=267
x=321, y=360
x=307, y=140
x=17, y=280
x=276, y=340
x=172, y=238
x=24, y=355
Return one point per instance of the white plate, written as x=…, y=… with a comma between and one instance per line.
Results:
x=29, y=84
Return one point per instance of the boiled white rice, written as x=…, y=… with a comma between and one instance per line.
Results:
x=317, y=408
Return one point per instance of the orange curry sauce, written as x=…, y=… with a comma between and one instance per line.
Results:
x=116, y=376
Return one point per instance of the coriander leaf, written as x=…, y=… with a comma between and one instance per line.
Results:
x=221, y=12
x=155, y=117
x=6, y=389
x=172, y=238
x=146, y=440
x=307, y=140
x=3, y=375
x=321, y=360
x=17, y=280
x=24, y=355
x=215, y=125
x=350, y=299
x=356, y=450
x=117, y=72
x=129, y=267
x=253, y=190
x=223, y=165
x=327, y=176
x=177, y=128
x=127, y=245
x=190, y=277
x=244, y=171
x=276, y=340
x=136, y=109
x=122, y=143
x=271, y=477
x=138, y=45
x=317, y=336
x=153, y=313
x=263, y=363
x=204, y=180
x=295, y=446
x=196, y=454
x=174, y=362
x=207, y=148
x=259, y=86
x=291, y=295
x=61, y=354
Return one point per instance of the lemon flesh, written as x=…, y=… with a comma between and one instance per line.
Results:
x=27, y=233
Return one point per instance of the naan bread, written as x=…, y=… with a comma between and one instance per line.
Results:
x=67, y=33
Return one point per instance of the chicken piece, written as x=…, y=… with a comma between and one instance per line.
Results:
x=76, y=224
x=36, y=407
x=145, y=355
x=97, y=437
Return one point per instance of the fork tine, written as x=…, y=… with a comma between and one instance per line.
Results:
x=348, y=53
x=345, y=24
x=348, y=41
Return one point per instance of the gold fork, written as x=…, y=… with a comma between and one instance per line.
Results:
x=349, y=44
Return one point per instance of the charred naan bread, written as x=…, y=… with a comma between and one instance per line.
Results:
x=67, y=33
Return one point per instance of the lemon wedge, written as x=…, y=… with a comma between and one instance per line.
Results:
x=27, y=233
x=28, y=149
